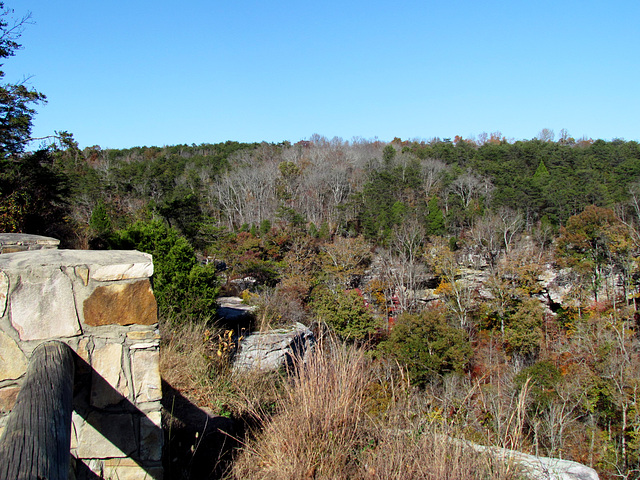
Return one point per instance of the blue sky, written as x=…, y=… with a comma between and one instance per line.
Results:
x=128, y=73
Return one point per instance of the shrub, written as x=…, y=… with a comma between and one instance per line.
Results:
x=428, y=345
x=345, y=312
x=181, y=286
x=523, y=334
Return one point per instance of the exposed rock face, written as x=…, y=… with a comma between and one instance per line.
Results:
x=473, y=271
x=271, y=350
x=541, y=468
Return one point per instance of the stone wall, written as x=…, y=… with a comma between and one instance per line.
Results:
x=19, y=242
x=101, y=304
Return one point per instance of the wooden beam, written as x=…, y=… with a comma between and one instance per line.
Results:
x=37, y=437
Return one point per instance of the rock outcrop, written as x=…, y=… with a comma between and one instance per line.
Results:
x=541, y=468
x=273, y=349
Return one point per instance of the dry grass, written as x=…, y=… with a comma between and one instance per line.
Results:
x=339, y=415
x=319, y=421
x=339, y=418
x=190, y=364
x=185, y=360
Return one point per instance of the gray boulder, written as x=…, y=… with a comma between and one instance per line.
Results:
x=541, y=468
x=273, y=349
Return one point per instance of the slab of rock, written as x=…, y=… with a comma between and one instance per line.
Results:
x=103, y=264
x=231, y=308
x=43, y=305
x=13, y=362
x=122, y=265
x=541, y=468
x=107, y=436
x=127, y=469
x=121, y=304
x=273, y=349
x=19, y=242
x=108, y=383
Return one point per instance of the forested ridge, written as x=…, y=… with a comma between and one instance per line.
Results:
x=374, y=239
x=358, y=187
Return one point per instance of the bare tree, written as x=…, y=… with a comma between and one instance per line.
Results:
x=511, y=223
x=433, y=171
x=456, y=292
x=403, y=263
x=546, y=135
x=469, y=187
x=247, y=194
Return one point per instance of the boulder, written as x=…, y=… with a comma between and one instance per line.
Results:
x=541, y=468
x=273, y=349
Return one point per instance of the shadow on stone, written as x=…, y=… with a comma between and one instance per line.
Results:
x=121, y=427
x=234, y=315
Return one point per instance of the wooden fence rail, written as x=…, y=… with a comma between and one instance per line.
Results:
x=37, y=438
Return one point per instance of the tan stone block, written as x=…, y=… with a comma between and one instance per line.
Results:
x=143, y=335
x=146, y=375
x=96, y=465
x=83, y=349
x=121, y=304
x=108, y=383
x=122, y=265
x=43, y=305
x=151, y=438
x=107, y=436
x=77, y=423
x=145, y=345
x=4, y=292
x=129, y=472
x=8, y=398
x=13, y=362
x=14, y=248
x=120, y=462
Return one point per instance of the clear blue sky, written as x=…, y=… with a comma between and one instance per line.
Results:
x=127, y=73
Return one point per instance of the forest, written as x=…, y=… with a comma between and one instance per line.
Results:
x=427, y=254
x=482, y=289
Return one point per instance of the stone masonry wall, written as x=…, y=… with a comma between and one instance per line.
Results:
x=19, y=242
x=101, y=304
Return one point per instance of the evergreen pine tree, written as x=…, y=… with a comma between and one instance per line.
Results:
x=435, y=218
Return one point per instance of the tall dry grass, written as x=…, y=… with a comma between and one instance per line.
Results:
x=189, y=363
x=339, y=418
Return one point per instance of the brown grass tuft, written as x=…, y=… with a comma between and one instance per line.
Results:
x=329, y=426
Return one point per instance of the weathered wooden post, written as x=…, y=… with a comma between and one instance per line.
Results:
x=37, y=437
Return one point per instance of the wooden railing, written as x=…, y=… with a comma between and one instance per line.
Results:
x=37, y=437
